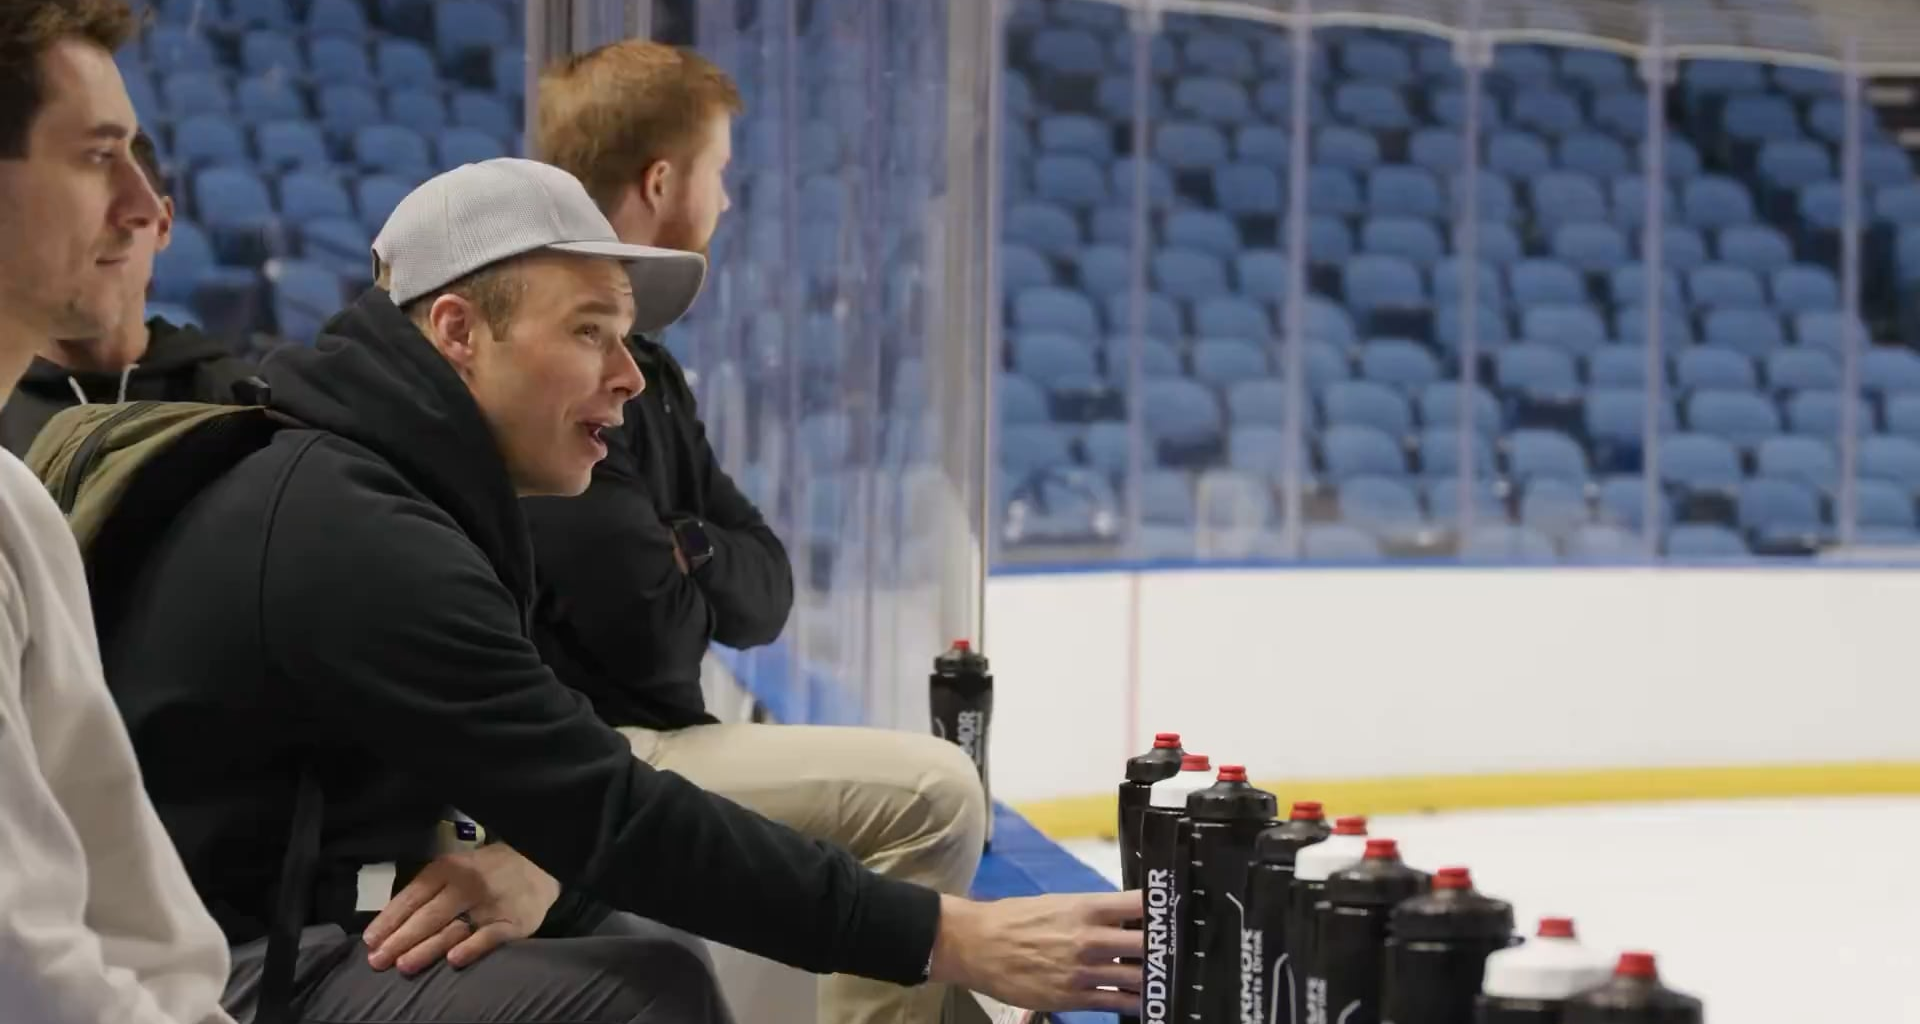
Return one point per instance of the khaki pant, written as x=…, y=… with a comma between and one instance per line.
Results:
x=908, y=805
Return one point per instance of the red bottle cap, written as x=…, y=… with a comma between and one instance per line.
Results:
x=1351, y=826
x=1382, y=849
x=1163, y=740
x=1308, y=810
x=1453, y=878
x=1195, y=763
x=963, y=645
x=1637, y=965
x=1556, y=927
x=1233, y=773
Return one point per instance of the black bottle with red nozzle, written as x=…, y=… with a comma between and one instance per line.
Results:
x=1350, y=972
x=1437, y=950
x=1634, y=995
x=1165, y=864
x=960, y=698
x=1143, y=770
x=1269, y=886
x=1223, y=821
x=1311, y=869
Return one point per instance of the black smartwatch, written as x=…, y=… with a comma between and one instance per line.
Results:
x=690, y=536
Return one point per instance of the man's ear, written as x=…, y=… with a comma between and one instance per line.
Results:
x=454, y=327
x=656, y=182
x=166, y=223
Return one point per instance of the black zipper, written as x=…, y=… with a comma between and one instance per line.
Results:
x=90, y=453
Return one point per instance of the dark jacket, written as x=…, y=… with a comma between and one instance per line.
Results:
x=354, y=597
x=181, y=365
x=616, y=618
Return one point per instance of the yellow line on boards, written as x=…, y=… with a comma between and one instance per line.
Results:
x=1083, y=817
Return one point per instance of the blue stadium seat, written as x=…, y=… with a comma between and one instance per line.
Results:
x=171, y=48
x=1716, y=201
x=1618, y=366
x=1595, y=155
x=1628, y=196
x=1880, y=504
x=1367, y=404
x=205, y=140
x=196, y=92
x=417, y=109
x=1440, y=407
x=1554, y=506
x=1261, y=274
x=1449, y=326
x=1159, y=184
x=1166, y=496
x=1382, y=505
x=1791, y=164
x=1550, y=112
x=1724, y=286
x=272, y=98
x=339, y=60
x=305, y=296
x=1383, y=282
x=1449, y=107
x=1222, y=361
x=1104, y=269
x=464, y=28
x=1572, y=328
x=510, y=73
x=1045, y=227
x=1188, y=145
x=1274, y=98
x=1372, y=106
x=1885, y=165
x=1777, y=508
x=1262, y=144
x=1157, y=359
x=1682, y=248
x=344, y=109
x=1600, y=543
x=1755, y=118
x=1232, y=509
x=1680, y=161
x=1533, y=454
x=1163, y=317
x=1114, y=98
x=1538, y=282
x=263, y=51
x=1903, y=415
x=403, y=62
x=338, y=243
x=1630, y=326
x=458, y=146
x=1054, y=361
x=1329, y=240
x=1348, y=149
x=1325, y=321
x=178, y=268
x=391, y=149
x=1805, y=286
x=1021, y=267
x=1799, y=369
x=1440, y=453
x=1436, y=149
x=1827, y=329
x=1411, y=238
x=1623, y=113
x=1807, y=83
x=1181, y=412
x=1618, y=415
x=376, y=195
x=1247, y=188
x=474, y=109
x=1536, y=370
x=1337, y=542
x=1258, y=449
x=232, y=197
x=1627, y=284
x=1375, y=59
x=1518, y=154
x=1713, y=369
x=1212, y=99
x=1700, y=462
x=1068, y=51
x=1404, y=192
x=1827, y=120
x=1818, y=412
x=1085, y=136
x=1822, y=205
x=1259, y=402
x=1025, y=448
x=1622, y=502
x=1051, y=309
x=1891, y=459
x=1890, y=370
x=1489, y=282
x=1599, y=72
x=1501, y=542
x=336, y=18
x=1349, y=451
x=1567, y=197
x=1897, y=204
x=1231, y=316
x=1590, y=248
x=309, y=194
x=1399, y=363
x=1071, y=180
x=1702, y=541
x=1493, y=195
x=1189, y=274
x=1752, y=331
x=1205, y=231
x=1741, y=417
x=1809, y=460
x=1721, y=77
x=1219, y=53
x=1443, y=499
x=1755, y=247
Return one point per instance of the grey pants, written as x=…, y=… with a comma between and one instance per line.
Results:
x=631, y=971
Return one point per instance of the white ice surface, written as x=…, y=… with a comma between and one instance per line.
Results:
x=1774, y=912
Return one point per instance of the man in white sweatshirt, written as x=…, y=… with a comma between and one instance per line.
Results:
x=98, y=921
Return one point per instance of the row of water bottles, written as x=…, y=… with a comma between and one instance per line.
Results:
x=1254, y=920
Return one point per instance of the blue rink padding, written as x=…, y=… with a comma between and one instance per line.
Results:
x=1023, y=862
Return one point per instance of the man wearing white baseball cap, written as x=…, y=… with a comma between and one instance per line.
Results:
x=331, y=645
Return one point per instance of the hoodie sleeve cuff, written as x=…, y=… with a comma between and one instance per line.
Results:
x=893, y=932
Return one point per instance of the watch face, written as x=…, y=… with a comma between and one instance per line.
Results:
x=693, y=540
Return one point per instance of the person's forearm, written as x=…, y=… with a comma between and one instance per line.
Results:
x=748, y=584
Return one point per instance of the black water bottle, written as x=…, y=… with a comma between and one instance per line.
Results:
x=1164, y=866
x=1143, y=770
x=1437, y=952
x=1634, y=995
x=961, y=700
x=1269, y=882
x=1311, y=869
x=1223, y=821
x=1354, y=919
x=1531, y=984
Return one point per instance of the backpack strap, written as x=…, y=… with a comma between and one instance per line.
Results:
x=295, y=901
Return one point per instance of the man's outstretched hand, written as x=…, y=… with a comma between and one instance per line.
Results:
x=462, y=907
x=1049, y=953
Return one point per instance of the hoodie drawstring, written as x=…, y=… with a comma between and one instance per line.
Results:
x=126, y=375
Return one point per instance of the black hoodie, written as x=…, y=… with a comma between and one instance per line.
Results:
x=180, y=365
x=355, y=597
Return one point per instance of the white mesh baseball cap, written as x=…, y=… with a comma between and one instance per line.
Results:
x=479, y=214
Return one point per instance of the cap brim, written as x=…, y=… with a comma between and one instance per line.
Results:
x=665, y=281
